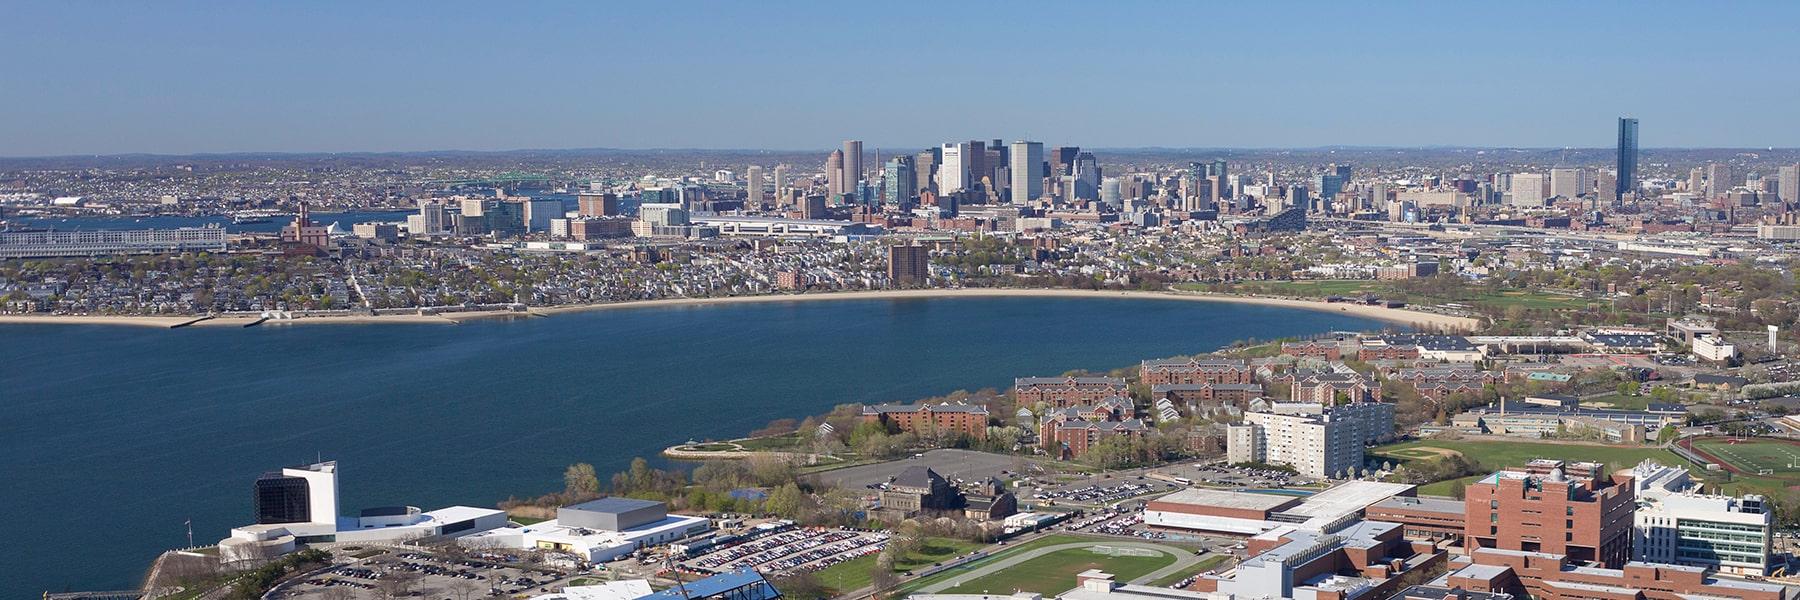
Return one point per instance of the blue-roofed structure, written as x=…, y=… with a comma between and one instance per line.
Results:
x=746, y=584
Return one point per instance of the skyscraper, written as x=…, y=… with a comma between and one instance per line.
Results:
x=1628, y=157
x=1787, y=185
x=834, y=173
x=1718, y=180
x=1027, y=166
x=753, y=186
x=925, y=166
x=953, y=175
x=1062, y=160
x=908, y=264
x=898, y=180
x=853, y=166
x=781, y=178
x=1087, y=176
x=1569, y=182
x=1527, y=189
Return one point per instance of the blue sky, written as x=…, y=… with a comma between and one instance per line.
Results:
x=176, y=77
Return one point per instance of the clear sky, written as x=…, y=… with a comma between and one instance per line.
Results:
x=90, y=77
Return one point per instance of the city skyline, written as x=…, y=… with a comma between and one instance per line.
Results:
x=397, y=79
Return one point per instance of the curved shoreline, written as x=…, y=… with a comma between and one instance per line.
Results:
x=1413, y=318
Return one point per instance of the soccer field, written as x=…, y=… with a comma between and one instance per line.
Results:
x=1755, y=455
x=1054, y=573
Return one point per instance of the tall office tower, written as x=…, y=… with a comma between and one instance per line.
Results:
x=853, y=166
x=753, y=187
x=925, y=166
x=1297, y=197
x=1718, y=179
x=1696, y=182
x=834, y=173
x=305, y=494
x=1378, y=196
x=1527, y=189
x=604, y=204
x=1087, y=176
x=1218, y=169
x=1027, y=168
x=1343, y=173
x=1062, y=160
x=953, y=172
x=1198, y=196
x=781, y=180
x=1328, y=184
x=899, y=179
x=1628, y=157
x=433, y=217
x=908, y=265
x=538, y=213
x=1109, y=193
x=1788, y=184
x=1000, y=146
x=976, y=158
x=995, y=161
x=1567, y=182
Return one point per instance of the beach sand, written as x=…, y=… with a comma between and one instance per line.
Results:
x=1413, y=318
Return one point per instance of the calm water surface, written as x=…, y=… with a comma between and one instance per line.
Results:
x=111, y=437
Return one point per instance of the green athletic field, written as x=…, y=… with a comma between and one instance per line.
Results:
x=1755, y=455
x=1054, y=573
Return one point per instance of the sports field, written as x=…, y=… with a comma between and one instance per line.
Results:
x=1494, y=455
x=1054, y=573
x=1754, y=456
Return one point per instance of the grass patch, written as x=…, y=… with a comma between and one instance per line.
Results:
x=1495, y=455
x=525, y=520
x=856, y=574
x=1054, y=573
x=1205, y=564
x=1049, y=540
x=790, y=441
x=1442, y=488
x=368, y=552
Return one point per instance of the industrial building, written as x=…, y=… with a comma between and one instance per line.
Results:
x=296, y=506
x=1250, y=513
x=596, y=530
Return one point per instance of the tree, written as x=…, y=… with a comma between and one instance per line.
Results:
x=1668, y=435
x=579, y=480
x=1458, y=489
x=785, y=500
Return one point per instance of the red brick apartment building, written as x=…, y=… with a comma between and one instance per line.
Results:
x=1064, y=392
x=1195, y=370
x=1325, y=350
x=1208, y=394
x=1554, y=507
x=971, y=419
x=1070, y=438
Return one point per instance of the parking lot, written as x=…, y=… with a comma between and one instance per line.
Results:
x=1222, y=475
x=1095, y=494
x=423, y=575
x=791, y=551
x=967, y=465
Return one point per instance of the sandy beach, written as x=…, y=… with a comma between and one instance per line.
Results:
x=1407, y=317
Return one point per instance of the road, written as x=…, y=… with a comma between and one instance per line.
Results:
x=1183, y=559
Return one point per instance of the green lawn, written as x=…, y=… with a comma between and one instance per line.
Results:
x=789, y=441
x=1054, y=573
x=1494, y=455
x=856, y=574
x=1205, y=564
x=1442, y=488
x=997, y=552
x=525, y=520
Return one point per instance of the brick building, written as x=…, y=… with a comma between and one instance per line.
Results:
x=1328, y=350
x=971, y=419
x=1554, y=507
x=1548, y=576
x=1063, y=392
x=1195, y=370
x=1208, y=394
x=1070, y=438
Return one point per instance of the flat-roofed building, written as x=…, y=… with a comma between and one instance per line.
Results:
x=1548, y=576
x=1557, y=507
x=1675, y=523
x=1422, y=518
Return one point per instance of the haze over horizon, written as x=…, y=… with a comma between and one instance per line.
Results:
x=184, y=78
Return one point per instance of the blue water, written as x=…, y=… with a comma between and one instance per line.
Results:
x=111, y=437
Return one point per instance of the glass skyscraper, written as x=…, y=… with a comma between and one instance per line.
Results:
x=1628, y=156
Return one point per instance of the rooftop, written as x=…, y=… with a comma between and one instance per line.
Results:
x=1228, y=499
